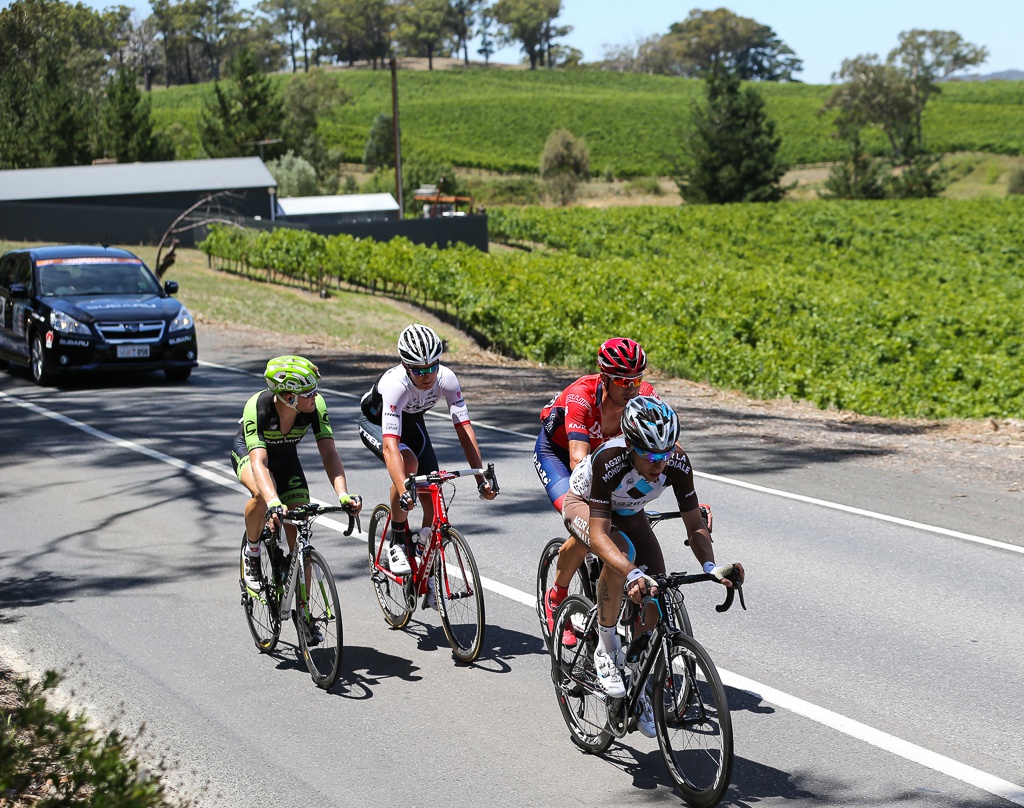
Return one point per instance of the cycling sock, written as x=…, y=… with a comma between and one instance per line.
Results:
x=400, y=530
x=252, y=549
x=608, y=639
x=559, y=593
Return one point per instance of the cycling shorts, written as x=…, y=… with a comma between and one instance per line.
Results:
x=643, y=547
x=414, y=439
x=552, y=464
x=285, y=468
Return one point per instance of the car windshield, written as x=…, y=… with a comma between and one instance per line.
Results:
x=69, y=277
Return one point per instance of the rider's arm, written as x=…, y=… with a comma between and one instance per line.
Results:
x=467, y=438
x=700, y=539
x=578, y=449
x=334, y=467
x=394, y=462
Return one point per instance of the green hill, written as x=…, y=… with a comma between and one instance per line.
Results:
x=499, y=119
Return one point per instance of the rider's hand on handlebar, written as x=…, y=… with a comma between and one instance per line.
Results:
x=705, y=511
x=407, y=501
x=484, y=487
x=351, y=504
x=725, y=573
x=275, y=512
x=639, y=585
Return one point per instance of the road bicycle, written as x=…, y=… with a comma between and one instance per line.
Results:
x=691, y=712
x=446, y=561
x=316, y=613
x=584, y=580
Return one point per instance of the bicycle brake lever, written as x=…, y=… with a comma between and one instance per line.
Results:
x=353, y=521
x=736, y=588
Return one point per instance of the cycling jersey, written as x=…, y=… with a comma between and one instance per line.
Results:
x=394, y=394
x=607, y=480
x=575, y=413
x=261, y=429
x=394, y=407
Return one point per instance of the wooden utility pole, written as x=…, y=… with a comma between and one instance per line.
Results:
x=398, y=138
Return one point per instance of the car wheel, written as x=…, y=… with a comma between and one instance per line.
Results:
x=38, y=363
x=177, y=374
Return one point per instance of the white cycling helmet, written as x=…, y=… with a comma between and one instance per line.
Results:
x=419, y=346
x=650, y=424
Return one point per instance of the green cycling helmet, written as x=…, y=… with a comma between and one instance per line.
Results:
x=291, y=374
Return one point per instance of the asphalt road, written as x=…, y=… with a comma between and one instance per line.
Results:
x=879, y=662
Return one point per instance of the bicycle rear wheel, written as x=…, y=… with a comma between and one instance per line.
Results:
x=546, y=579
x=460, y=596
x=391, y=595
x=320, y=639
x=693, y=722
x=262, y=609
x=572, y=670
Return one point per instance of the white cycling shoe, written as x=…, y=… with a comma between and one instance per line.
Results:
x=398, y=563
x=608, y=674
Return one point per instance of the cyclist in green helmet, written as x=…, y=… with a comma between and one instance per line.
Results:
x=265, y=455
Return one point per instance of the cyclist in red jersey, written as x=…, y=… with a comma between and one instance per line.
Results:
x=573, y=424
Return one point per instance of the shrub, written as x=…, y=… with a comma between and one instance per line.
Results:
x=1015, y=182
x=564, y=164
x=295, y=175
x=54, y=755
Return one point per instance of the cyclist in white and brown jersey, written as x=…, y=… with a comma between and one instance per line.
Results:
x=604, y=508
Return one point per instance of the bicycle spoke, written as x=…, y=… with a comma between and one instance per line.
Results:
x=261, y=608
x=572, y=671
x=319, y=622
x=546, y=570
x=460, y=596
x=693, y=721
x=391, y=595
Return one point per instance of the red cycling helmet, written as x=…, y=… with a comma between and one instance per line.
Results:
x=621, y=357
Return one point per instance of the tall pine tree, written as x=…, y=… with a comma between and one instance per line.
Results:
x=733, y=150
x=245, y=112
x=126, y=128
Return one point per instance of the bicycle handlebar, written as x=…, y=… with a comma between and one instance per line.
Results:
x=303, y=513
x=676, y=579
x=414, y=481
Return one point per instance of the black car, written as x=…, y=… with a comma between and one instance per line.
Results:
x=72, y=309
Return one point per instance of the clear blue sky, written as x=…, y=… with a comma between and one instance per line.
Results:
x=822, y=33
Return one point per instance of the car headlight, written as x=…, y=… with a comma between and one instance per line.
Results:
x=182, y=321
x=66, y=324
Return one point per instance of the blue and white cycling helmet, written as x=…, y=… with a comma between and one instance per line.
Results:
x=419, y=346
x=650, y=424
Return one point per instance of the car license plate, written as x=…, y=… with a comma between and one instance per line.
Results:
x=132, y=351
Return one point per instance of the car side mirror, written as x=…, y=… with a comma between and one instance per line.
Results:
x=18, y=291
x=171, y=287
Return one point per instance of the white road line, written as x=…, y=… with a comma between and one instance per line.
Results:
x=1010, y=792
x=975, y=777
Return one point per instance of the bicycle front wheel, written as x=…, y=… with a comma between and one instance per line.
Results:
x=262, y=608
x=680, y=617
x=320, y=634
x=693, y=722
x=391, y=595
x=460, y=596
x=546, y=570
x=572, y=670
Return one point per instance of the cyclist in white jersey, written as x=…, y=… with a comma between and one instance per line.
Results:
x=393, y=428
x=604, y=508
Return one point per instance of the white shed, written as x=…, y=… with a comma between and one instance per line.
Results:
x=340, y=209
